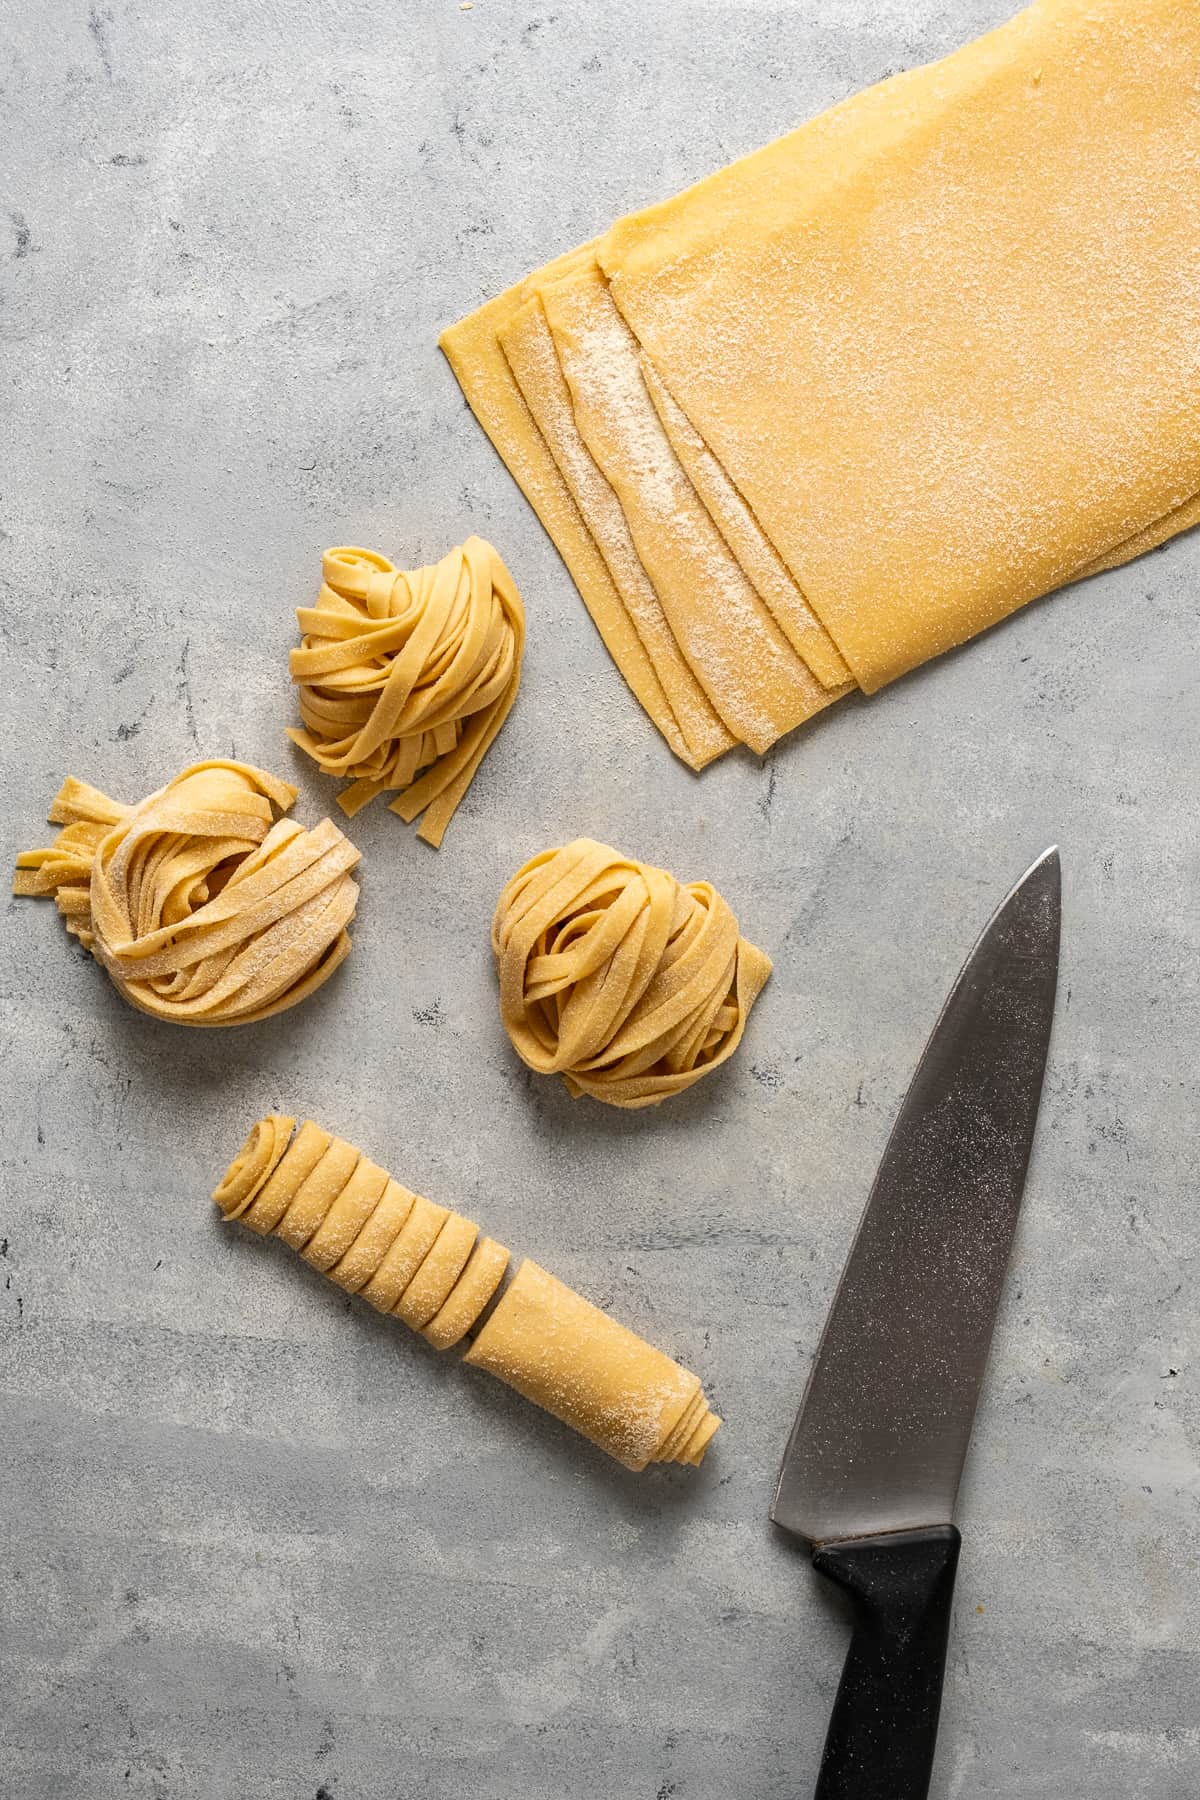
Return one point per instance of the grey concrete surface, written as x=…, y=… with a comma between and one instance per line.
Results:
x=257, y=1542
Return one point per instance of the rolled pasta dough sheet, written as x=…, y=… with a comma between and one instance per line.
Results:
x=254, y=1164
x=567, y=1356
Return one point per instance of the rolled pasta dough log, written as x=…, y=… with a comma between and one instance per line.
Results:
x=426, y=1265
x=563, y=1353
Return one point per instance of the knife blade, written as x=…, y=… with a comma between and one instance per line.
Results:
x=872, y=1468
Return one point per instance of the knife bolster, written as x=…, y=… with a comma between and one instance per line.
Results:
x=883, y=1730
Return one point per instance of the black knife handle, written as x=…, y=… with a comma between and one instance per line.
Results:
x=885, y=1719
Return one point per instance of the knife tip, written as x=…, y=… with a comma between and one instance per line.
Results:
x=1041, y=884
x=1049, y=860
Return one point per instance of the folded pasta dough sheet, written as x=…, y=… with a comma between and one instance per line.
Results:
x=926, y=357
x=947, y=344
x=734, y=652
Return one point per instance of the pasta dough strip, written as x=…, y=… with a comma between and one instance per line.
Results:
x=469, y=1296
x=530, y=352
x=434, y=1281
x=361, y=1260
x=416, y=1239
x=317, y=1193
x=296, y=1162
x=747, y=542
x=753, y=677
x=473, y=351
x=346, y=1216
x=427, y=1266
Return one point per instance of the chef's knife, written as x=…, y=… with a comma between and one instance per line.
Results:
x=872, y=1468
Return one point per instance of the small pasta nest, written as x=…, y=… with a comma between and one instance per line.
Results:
x=629, y=984
x=203, y=907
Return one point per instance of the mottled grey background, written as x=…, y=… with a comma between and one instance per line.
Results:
x=257, y=1542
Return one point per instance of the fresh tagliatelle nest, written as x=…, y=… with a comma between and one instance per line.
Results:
x=629, y=984
x=406, y=676
x=202, y=906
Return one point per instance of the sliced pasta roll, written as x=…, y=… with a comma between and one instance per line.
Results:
x=428, y=1266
